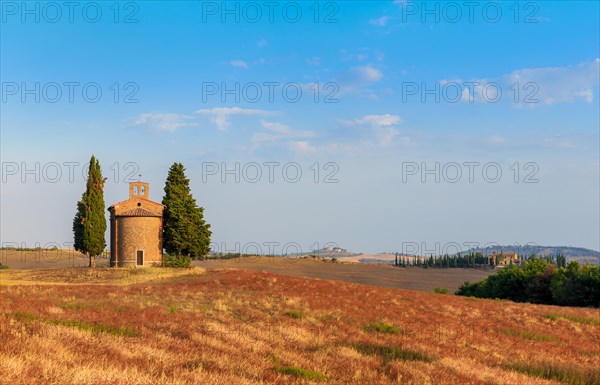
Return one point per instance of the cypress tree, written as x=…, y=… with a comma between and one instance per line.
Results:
x=89, y=223
x=185, y=232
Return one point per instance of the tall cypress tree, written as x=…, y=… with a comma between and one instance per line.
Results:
x=89, y=223
x=185, y=232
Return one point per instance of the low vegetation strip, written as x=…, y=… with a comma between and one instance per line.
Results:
x=576, y=319
x=81, y=325
x=97, y=328
x=565, y=374
x=390, y=353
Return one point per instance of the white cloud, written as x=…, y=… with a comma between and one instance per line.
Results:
x=239, y=64
x=162, y=121
x=531, y=87
x=554, y=85
x=380, y=21
x=220, y=116
x=378, y=120
x=386, y=136
x=259, y=138
x=382, y=127
x=376, y=132
x=303, y=147
x=280, y=128
x=282, y=133
x=261, y=43
x=357, y=80
x=367, y=74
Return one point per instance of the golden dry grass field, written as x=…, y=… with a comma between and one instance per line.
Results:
x=162, y=326
x=46, y=259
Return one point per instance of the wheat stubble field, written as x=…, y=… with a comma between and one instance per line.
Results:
x=161, y=326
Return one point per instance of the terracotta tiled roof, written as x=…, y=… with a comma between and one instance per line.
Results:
x=139, y=212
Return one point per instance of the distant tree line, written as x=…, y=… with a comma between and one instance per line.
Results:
x=471, y=260
x=540, y=280
x=221, y=255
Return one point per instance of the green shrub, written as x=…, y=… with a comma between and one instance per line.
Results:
x=294, y=314
x=178, y=261
x=172, y=309
x=298, y=372
x=439, y=290
x=3, y=266
x=381, y=327
x=25, y=317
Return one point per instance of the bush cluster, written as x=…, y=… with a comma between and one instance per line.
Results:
x=179, y=261
x=540, y=281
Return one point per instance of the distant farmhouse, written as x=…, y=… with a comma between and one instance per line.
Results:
x=136, y=229
x=506, y=259
x=334, y=249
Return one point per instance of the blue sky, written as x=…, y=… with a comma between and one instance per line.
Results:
x=373, y=60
